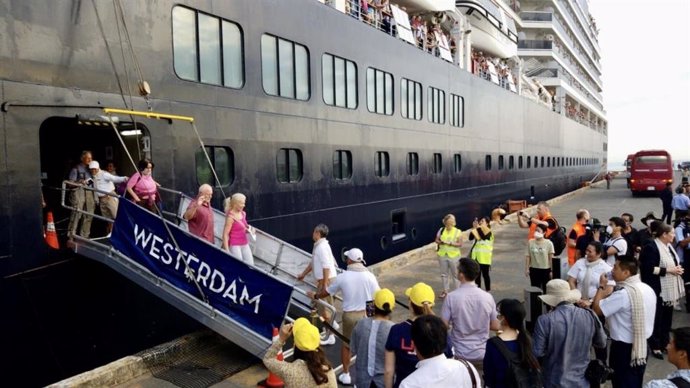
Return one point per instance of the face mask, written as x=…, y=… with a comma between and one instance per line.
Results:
x=538, y=235
x=609, y=229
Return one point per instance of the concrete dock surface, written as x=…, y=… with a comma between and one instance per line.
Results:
x=507, y=274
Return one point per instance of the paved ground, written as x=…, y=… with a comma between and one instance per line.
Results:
x=508, y=279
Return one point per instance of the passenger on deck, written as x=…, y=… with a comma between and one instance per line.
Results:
x=80, y=198
x=141, y=186
x=199, y=214
x=310, y=367
x=110, y=167
x=369, y=339
x=236, y=228
x=105, y=183
x=358, y=286
x=323, y=264
x=401, y=358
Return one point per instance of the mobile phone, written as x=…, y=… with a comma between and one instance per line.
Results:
x=370, y=308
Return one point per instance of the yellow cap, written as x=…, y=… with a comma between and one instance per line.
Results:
x=420, y=293
x=306, y=335
x=382, y=297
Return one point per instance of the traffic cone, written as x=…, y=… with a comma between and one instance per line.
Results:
x=273, y=381
x=51, y=236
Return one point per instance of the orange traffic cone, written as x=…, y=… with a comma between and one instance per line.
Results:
x=273, y=381
x=51, y=236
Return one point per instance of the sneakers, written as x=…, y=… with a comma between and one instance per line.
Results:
x=345, y=379
x=335, y=325
x=330, y=341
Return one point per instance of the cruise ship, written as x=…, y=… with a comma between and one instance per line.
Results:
x=375, y=120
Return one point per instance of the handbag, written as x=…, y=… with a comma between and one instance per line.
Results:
x=598, y=372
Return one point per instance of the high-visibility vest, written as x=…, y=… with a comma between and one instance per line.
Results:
x=483, y=250
x=446, y=250
x=579, y=231
x=533, y=227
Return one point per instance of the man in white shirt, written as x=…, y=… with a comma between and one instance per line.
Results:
x=104, y=182
x=429, y=335
x=358, y=286
x=630, y=314
x=324, y=268
x=615, y=245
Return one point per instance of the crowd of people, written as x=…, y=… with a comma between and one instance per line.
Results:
x=481, y=64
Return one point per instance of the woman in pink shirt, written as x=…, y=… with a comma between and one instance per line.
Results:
x=142, y=188
x=236, y=228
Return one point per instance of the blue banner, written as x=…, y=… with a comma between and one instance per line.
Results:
x=234, y=288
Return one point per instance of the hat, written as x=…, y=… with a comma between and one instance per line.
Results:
x=557, y=291
x=94, y=164
x=356, y=255
x=649, y=217
x=383, y=296
x=307, y=338
x=420, y=293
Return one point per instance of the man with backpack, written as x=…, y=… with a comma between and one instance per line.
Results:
x=563, y=337
x=616, y=245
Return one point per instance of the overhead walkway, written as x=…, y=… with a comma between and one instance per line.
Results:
x=239, y=301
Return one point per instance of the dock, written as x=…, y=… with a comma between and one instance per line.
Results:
x=507, y=276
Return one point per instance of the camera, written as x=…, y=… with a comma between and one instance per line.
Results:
x=89, y=182
x=596, y=226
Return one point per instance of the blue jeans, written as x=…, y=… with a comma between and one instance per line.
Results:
x=624, y=376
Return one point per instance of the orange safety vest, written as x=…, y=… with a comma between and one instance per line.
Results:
x=533, y=227
x=579, y=231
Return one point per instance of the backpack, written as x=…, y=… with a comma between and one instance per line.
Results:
x=517, y=375
x=558, y=239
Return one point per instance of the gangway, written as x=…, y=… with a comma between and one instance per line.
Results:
x=156, y=252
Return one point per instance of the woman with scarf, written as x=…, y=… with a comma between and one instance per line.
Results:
x=584, y=276
x=660, y=269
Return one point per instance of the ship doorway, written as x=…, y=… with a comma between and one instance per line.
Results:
x=62, y=140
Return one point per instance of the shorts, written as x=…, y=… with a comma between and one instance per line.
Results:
x=350, y=319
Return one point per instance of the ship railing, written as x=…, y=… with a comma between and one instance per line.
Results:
x=273, y=257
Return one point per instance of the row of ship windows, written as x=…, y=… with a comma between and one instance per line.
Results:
x=289, y=164
x=210, y=50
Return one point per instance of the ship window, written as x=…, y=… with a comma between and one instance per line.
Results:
x=500, y=162
x=342, y=164
x=410, y=99
x=520, y=162
x=382, y=167
x=339, y=81
x=223, y=161
x=199, y=55
x=529, y=162
x=398, y=225
x=284, y=68
x=487, y=163
x=436, y=102
x=457, y=110
x=511, y=162
x=379, y=91
x=438, y=164
x=457, y=163
x=412, y=163
x=548, y=161
x=289, y=165
x=562, y=162
x=542, y=162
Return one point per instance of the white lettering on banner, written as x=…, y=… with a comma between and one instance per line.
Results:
x=208, y=277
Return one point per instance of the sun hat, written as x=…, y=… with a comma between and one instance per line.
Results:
x=306, y=335
x=383, y=296
x=649, y=217
x=420, y=293
x=557, y=291
x=356, y=255
x=94, y=164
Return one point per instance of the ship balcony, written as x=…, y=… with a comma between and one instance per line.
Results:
x=548, y=20
x=579, y=24
x=548, y=48
x=560, y=78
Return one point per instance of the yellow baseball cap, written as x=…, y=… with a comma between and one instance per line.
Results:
x=383, y=296
x=306, y=335
x=420, y=293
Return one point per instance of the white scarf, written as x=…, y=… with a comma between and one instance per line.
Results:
x=584, y=286
x=638, y=355
x=672, y=287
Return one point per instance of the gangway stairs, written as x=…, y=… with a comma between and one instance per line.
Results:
x=234, y=312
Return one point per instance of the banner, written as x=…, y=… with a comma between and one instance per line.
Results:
x=252, y=298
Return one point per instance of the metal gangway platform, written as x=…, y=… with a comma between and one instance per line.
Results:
x=276, y=262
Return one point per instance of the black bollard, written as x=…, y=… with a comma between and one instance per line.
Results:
x=533, y=306
x=556, y=268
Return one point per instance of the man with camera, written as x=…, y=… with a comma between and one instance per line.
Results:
x=543, y=217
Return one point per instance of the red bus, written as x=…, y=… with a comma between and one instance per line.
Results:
x=628, y=166
x=650, y=171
